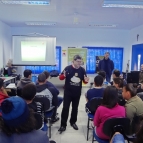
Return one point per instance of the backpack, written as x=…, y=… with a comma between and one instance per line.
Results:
x=54, y=73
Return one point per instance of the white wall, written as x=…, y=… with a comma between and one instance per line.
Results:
x=75, y=37
x=5, y=43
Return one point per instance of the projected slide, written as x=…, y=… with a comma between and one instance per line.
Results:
x=33, y=50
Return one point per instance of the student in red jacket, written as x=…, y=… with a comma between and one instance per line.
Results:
x=3, y=93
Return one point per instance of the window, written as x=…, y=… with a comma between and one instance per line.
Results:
x=40, y=69
x=116, y=54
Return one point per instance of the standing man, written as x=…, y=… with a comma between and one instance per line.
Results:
x=106, y=65
x=74, y=75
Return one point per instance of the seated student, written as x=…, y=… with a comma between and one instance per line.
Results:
x=28, y=94
x=18, y=123
x=116, y=74
x=134, y=104
x=60, y=99
x=108, y=109
x=118, y=83
x=97, y=91
x=43, y=89
x=140, y=88
x=3, y=93
x=26, y=79
x=105, y=83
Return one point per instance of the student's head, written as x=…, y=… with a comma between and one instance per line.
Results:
x=98, y=81
x=77, y=61
x=116, y=73
x=106, y=56
x=128, y=91
x=110, y=97
x=16, y=116
x=47, y=74
x=1, y=83
x=28, y=92
x=141, y=67
x=41, y=78
x=118, y=82
x=27, y=73
x=103, y=74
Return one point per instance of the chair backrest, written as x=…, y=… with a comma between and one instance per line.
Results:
x=19, y=91
x=44, y=101
x=94, y=103
x=140, y=94
x=136, y=123
x=39, y=121
x=110, y=124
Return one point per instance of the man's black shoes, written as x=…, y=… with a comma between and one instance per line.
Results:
x=74, y=126
x=62, y=129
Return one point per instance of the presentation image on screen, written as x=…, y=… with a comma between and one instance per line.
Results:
x=33, y=50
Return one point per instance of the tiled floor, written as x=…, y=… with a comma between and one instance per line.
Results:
x=71, y=135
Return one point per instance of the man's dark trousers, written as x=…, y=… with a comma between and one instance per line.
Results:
x=68, y=98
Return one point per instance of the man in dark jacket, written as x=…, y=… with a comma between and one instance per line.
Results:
x=106, y=65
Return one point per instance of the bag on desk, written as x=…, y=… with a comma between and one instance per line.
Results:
x=54, y=73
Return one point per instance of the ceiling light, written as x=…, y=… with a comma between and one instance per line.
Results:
x=26, y=2
x=103, y=25
x=123, y=3
x=41, y=23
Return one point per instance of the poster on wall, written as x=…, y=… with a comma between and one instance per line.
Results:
x=77, y=51
x=98, y=58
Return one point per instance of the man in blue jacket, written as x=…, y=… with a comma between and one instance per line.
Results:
x=106, y=65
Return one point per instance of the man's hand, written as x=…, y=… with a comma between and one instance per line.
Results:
x=86, y=79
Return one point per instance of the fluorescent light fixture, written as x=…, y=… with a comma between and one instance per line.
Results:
x=103, y=25
x=40, y=23
x=26, y=2
x=123, y=3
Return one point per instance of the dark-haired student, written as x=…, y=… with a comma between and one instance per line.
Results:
x=26, y=79
x=116, y=74
x=134, y=104
x=97, y=91
x=118, y=83
x=109, y=109
x=17, y=124
x=140, y=88
x=105, y=83
x=60, y=99
x=42, y=89
x=28, y=94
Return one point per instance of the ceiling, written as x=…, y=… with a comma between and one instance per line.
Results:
x=72, y=14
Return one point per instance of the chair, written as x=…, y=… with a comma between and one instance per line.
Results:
x=135, y=124
x=94, y=103
x=19, y=91
x=46, y=105
x=140, y=94
x=113, y=125
x=38, y=120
